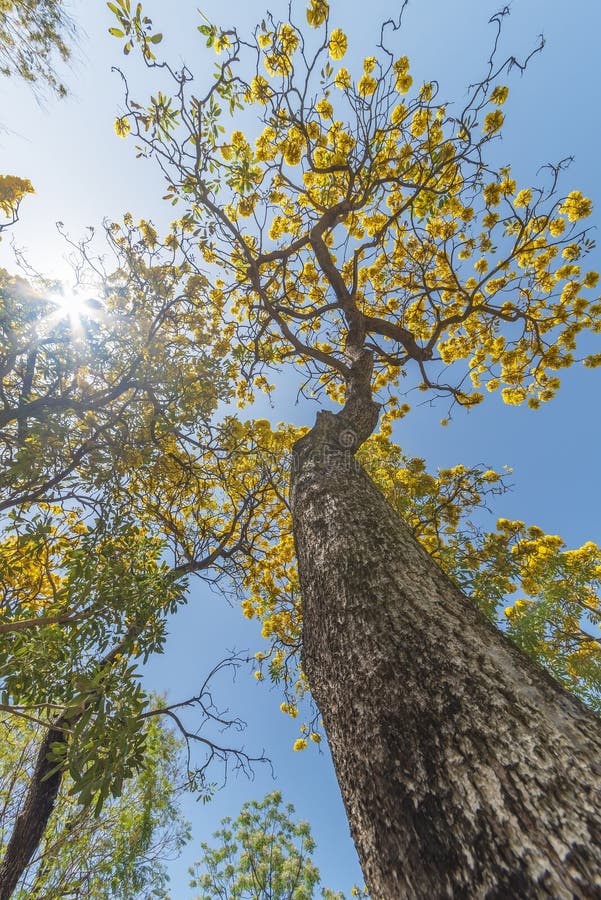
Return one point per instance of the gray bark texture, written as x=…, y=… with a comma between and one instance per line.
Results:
x=466, y=770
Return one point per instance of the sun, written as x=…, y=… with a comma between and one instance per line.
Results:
x=70, y=306
x=74, y=308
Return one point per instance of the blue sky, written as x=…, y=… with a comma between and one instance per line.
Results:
x=83, y=173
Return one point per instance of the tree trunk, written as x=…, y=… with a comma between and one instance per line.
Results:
x=466, y=771
x=33, y=818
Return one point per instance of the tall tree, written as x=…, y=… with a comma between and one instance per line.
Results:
x=362, y=233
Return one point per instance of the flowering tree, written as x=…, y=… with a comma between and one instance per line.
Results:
x=358, y=232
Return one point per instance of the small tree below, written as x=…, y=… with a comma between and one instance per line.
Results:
x=263, y=855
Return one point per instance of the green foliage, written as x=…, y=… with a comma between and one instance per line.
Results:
x=133, y=25
x=33, y=33
x=119, y=854
x=85, y=584
x=114, y=491
x=264, y=854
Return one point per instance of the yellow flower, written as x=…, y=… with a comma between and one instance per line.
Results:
x=499, y=95
x=369, y=64
x=493, y=122
x=576, y=206
x=300, y=744
x=426, y=92
x=591, y=279
x=571, y=252
x=221, y=42
x=508, y=186
x=403, y=80
x=317, y=12
x=513, y=396
x=338, y=44
x=398, y=113
x=260, y=89
x=292, y=148
x=401, y=65
x=122, y=126
x=246, y=205
x=492, y=194
x=238, y=139
x=403, y=83
x=149, y=234
x=248, y=608
x=419, y=122
x=288, y=39
x=343, y=79
x=324, y=108
x=523, y=198
x=367, y=85
x=557, y=227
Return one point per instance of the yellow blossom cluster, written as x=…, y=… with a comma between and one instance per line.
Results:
x=338, y=44
x=12, y=191
x=122, y=126
x=317, y=12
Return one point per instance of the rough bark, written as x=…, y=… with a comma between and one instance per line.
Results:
x=33, y=818
x=466, y=771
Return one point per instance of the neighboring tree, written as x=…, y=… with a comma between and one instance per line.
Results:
x=116, y=485
x=122, y=852
x=33, y=35
x=358, y=234
x=264, y=854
